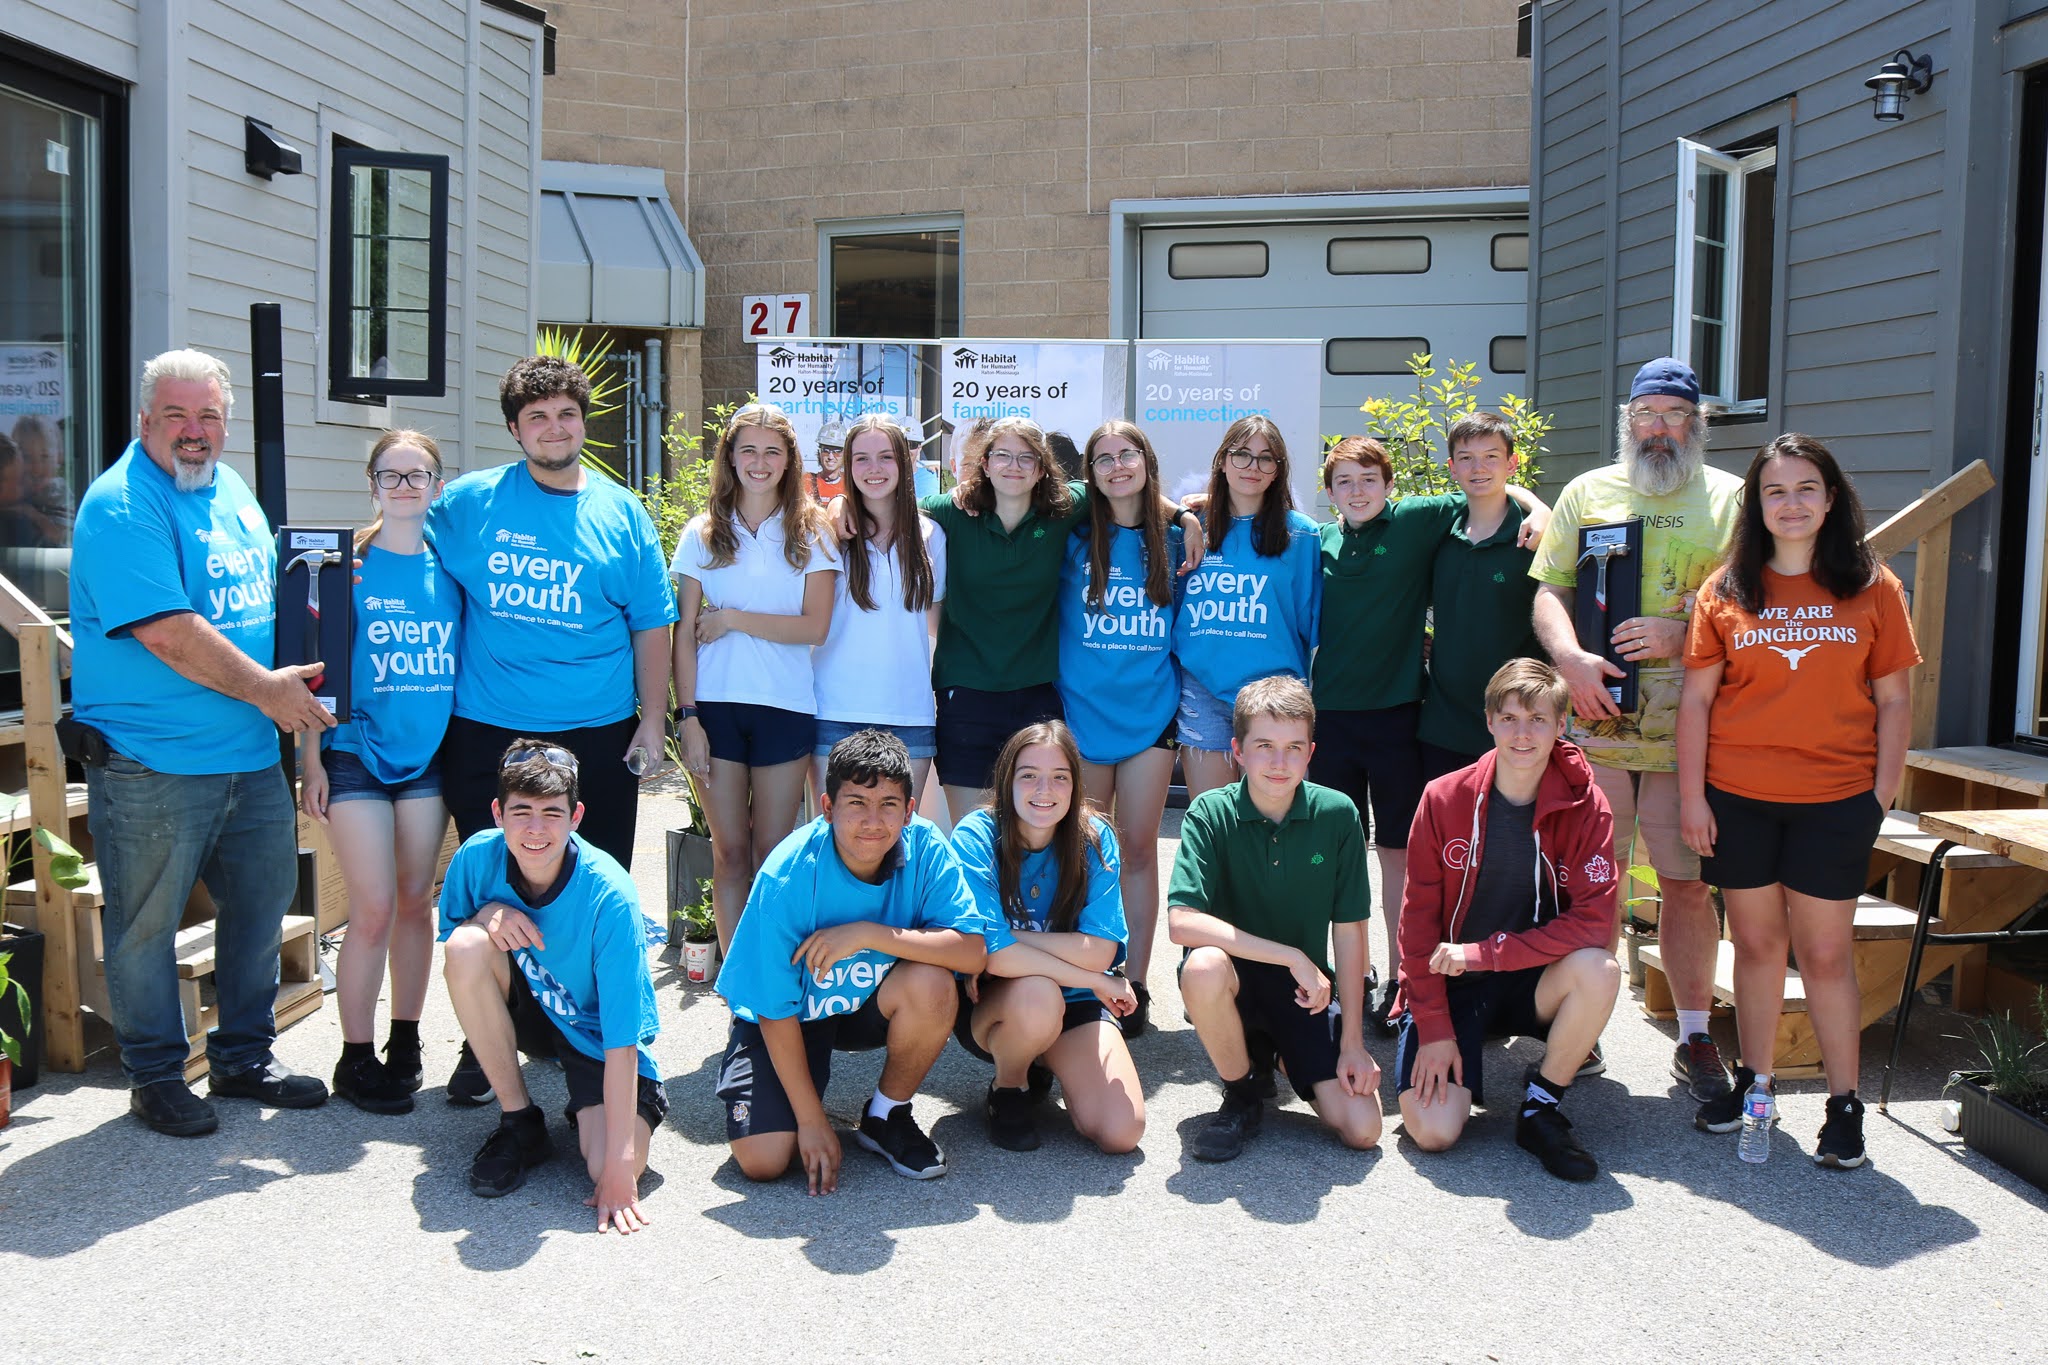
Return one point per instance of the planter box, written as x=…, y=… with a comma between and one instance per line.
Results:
x=689, y=864
x=26, y=948
x=2015, y=1140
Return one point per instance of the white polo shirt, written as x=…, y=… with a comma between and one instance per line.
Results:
x=737, y=666
x=876, y=666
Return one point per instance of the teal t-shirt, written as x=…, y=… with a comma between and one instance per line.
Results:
x=408, y=631
x=1038, y=879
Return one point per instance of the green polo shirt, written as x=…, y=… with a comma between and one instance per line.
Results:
x=1288, y=882
x=1482, y=595
x=1375, y=588
x=998, y=627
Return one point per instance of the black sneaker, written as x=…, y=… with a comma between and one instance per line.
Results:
x=1011, y=1125
x=519, y=1143
x=1133, y=1024
x=368, y=1084
x=1723, y=1113
x=1038, y=1080
x=402, y=1065
x=1841, y=1135
x=468, y=1086
x=269, y=1084
x=1223, y=1137
x=1697, y=1062
x=171, y=1108
x=1546, y=1132
x=900, y=1142
x=1379, y=1015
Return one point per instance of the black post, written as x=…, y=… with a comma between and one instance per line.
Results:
x=266, y=355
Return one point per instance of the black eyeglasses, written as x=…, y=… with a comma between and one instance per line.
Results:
x=1245, y=459
x=411, y=478
x=561, y=758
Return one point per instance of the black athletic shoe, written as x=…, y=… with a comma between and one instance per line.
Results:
x=1697, y=1062
x=1841, y=1136
x=468, y=1086
x=1011, y=1125
x=900, y=1142
x=1038, y=1080
x=1133, y=1024
x=269, y=1084
x=1546, y=1132
x=1223, y=1137
x=402, y=1065
x=519, y=1143
x=171, y=1108
x=368, y=1084
x=1723, y=1113
x=1379, y=1015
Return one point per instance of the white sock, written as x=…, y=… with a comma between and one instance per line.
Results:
x=881, y=1106
x=1691, y=1022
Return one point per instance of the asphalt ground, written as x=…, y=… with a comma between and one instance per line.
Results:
x=338, y=1235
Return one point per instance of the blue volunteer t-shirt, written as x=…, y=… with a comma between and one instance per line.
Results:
x=805, y=886
x=1038, y=880
x=1244, y=616
x=140, y=551
x=556, y=582
x=408, y=628
x=590, y=974
x=1118, y=680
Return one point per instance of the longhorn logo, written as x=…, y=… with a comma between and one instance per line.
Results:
x=1793, y=656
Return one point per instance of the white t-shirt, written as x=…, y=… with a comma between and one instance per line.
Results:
x=737, y=666
x=877, y=665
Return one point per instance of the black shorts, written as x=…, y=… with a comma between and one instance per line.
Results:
x=1439, y=762
x=758, y=736
x=537, y=1035
x=1483, y=1005
x=1305, y=1043
x=471, y=752
x=974, y=726
x=1817, y=848
x=1078, y=1012
x=755, y=1102
x=1373, y=758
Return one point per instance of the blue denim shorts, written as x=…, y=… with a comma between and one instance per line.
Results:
x=921, y=740
x=349, y=780
x=1204, y=718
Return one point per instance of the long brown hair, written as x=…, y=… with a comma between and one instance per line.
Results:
x=1269, y=526
x=801, y=520
x=1843, y=562
x=402, y=436
x=913, y=558
x=1151, y=519
x=1049, y=496
x=1073, y=839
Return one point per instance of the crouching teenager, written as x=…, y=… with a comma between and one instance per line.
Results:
x=849, y=942
x=1504, y=925
x=547, y=955
x=1271, y=870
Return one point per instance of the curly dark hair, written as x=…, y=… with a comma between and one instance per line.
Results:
x=538, y=377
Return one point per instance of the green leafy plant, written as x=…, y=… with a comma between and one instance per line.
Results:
x=589, y=355
x=67, y=869
x=695, y=920
x=1413, y=429
x=2015, y=1058
x=10, y=1043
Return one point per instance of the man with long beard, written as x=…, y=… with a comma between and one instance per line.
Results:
x=1688, y=511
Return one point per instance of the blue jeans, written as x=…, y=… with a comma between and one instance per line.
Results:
x=154, y=835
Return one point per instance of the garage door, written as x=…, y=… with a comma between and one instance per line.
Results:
x=1372, y=292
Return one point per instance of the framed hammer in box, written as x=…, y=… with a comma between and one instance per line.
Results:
x=1610, y=591
x=316, y=608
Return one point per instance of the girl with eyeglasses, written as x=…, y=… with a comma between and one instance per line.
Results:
x=374, y=780
x=1118, y=681
x=1250, y=610
x=874, y=669
x=754, y=592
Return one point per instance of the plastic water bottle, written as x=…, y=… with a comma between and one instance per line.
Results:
x=1759, y=1110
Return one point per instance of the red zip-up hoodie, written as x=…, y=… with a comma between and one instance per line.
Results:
x=1571, y=904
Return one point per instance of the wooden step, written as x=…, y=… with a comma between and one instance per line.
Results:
x=196, y=956
x=74, y=806
x=2008, y=769
x=295, y=1000
x=1902, y=837
x=1724, y=976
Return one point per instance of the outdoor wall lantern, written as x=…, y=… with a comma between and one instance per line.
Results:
x=1890, y=86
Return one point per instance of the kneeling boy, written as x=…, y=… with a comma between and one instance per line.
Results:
x=1270, y=870
x=1504, y=926
x=849, y=942
x=547, y=955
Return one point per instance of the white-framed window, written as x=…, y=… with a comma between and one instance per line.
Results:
x=891, y=277
x=1722, y=317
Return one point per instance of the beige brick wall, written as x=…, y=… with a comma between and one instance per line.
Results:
x=1027, y=117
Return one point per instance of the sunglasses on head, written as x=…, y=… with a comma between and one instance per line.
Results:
x=561, y=758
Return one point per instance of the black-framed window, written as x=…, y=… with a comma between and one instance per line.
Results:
x=388, y=275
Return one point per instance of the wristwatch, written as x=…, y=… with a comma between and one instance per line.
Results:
x=683, y=713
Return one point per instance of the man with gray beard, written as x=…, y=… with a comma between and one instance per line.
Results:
x=173, y=622
x=1688, y=511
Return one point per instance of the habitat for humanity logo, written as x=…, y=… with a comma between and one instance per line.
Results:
x=987, y=362
x=1184, y=364
x=781, y=357
x=519, y=538
x=1158, y=360
x=808, y=359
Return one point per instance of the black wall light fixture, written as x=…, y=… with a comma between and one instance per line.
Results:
x=266, y=154
x=1890, y=87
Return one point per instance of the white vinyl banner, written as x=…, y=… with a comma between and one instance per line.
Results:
x=1070, y=387
x=1189, y=392
x=31, y=382
x=817, y=382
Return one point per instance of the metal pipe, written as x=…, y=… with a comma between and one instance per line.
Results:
x=652, y=411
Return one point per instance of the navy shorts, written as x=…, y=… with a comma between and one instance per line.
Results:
x=974, y=726
x=349, y=779
x=755, y=1102
x=1483, y=1005
x=1817, y=848
x=537, y=1035
x=1439, y=762
x=921, y=740
x=758, y=736
x=1306, y=1044
x=1078, y=1012
x=1373, y=758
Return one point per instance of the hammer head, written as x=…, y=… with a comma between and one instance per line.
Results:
x=1600, y=552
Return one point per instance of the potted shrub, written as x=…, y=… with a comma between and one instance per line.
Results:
x=2005, y=1104
x=700, y=935
x=689, y=859
x=24, y=948
x=11, y=1035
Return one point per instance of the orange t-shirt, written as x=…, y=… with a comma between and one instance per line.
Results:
x=1794, y=719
